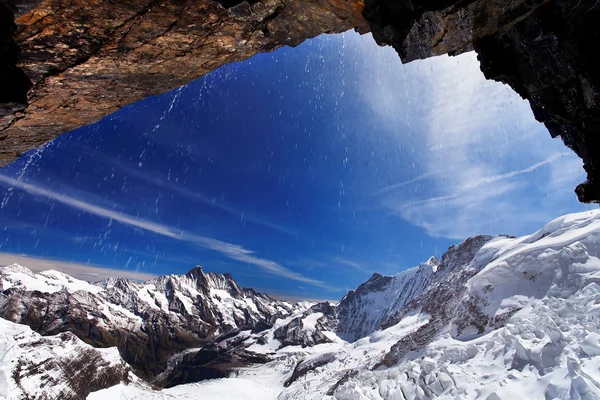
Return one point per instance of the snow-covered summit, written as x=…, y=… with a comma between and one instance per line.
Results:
x=19, y=277
x=433, y=262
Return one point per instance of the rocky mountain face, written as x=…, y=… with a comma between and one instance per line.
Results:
x=364, y=310
x=434, y=287
x=54, y=367
x=70, y=51
x=148, y=322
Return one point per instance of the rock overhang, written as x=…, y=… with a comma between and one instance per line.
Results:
x=60, y=54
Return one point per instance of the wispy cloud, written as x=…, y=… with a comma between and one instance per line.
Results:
x=239, y=253
x=211, y=201
x=92, y=208
x=90, y=273
x=179, y=188
x=485, y=180
x=229, y=250
x=352, y=264
x=480, y=161
x=398, y=185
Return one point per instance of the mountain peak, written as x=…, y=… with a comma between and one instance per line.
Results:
x=433, y=260
x=463, y=252
x=113, y=282
x=196, y=273
x=376, y=283
x=432, y=263
x=374, y=277
x=16, y=268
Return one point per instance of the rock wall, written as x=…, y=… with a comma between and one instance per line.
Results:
x=85, y=60
x=546, y=50
x=14, y=84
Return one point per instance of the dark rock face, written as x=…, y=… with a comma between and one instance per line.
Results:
x=14, y=84
x=86, y=61
x=295, y=334
x=545, y=50
x=552, y=59
x=305, y=366
x=215, y=360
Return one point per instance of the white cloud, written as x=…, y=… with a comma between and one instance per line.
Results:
x=229, y=250
x=481, y=163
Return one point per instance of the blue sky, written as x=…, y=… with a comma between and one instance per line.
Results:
x=301, y=172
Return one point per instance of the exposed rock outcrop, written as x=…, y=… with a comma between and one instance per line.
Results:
x=55, y=367
x=87, y=60
x=215, y=360
x=296, y=333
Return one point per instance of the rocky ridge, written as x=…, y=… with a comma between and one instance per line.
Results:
x=434, y=288
x=148, y=322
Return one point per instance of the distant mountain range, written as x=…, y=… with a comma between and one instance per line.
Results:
x=495, y=318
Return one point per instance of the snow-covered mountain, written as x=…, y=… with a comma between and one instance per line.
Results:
x=383, y=301
x=149, y=322
x=362, y=311
x=55, y=367
x=496, y=318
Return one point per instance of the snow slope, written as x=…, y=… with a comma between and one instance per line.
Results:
x=226, y=388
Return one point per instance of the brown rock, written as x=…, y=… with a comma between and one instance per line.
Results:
x=88, y=59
